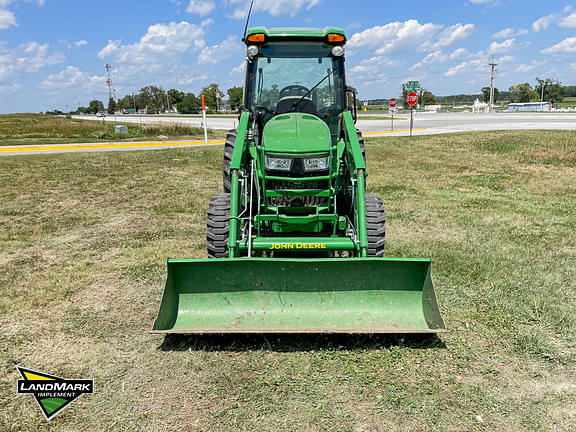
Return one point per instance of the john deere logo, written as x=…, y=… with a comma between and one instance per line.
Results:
x=52, y=393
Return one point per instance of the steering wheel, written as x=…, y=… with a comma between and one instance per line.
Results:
x=293, y=90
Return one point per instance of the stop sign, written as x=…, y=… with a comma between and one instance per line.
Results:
x=392, y=103
x=412, y=98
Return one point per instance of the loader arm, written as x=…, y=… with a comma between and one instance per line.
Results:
x=358, y=171
x=235, y=166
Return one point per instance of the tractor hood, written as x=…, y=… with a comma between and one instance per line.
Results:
x=296, y=133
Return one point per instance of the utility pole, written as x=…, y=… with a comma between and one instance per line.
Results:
x=492, y=78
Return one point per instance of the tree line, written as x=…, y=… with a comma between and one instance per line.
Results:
x=154, y=100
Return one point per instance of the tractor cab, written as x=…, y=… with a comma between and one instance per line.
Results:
x=296, y=71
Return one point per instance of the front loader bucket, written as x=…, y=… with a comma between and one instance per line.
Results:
x=271, y=295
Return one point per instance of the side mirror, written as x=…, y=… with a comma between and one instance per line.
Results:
x=353, y=109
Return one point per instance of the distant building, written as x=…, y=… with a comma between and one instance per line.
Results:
x=529, y=106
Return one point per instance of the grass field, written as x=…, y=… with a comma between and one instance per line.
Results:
x=16, y=129
x=83, y=243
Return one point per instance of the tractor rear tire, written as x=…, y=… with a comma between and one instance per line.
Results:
x=375, y=225
x=228, y=151
x=218, y=226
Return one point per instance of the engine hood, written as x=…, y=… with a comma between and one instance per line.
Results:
x=296, y=133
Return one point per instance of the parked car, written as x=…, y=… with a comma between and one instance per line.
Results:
x=100, y=114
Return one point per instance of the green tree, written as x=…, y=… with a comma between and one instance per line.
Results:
x=127, y=102
x=190, y=104
x=112, y=106
x=175, y=96
x=523, y=93
x=212, y=95
x=100, y=106
x=152, y=98
x=427, y=98
x=552, y=90
x=94, y=105
x=486, y=94
x=236, y=96
x=404, y=96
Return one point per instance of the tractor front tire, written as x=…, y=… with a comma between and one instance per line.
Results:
x=228, y=151
x=375, y=225
x=218, y=226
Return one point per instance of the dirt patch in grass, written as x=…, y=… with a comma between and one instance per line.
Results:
x=83, y=244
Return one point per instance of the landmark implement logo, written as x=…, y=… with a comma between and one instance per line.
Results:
x=52, y=393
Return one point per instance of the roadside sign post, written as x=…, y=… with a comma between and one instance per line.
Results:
x=204, y=120
x=412, y=98
x=392, y=110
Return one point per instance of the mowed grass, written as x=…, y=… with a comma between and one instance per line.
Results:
x=22, y=129
x=83, y=243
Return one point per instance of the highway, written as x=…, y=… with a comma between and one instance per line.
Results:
x=424, y=124
x=427, y=123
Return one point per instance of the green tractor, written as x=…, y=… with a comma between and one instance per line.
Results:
x=295, y=244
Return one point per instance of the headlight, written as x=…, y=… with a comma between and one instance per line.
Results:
x=278, y=164
x=316, y=164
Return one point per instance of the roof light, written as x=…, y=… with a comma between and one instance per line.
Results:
x=338, y=51
x=256, y=38
x=336, y=38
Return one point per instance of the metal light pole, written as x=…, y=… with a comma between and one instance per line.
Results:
x=542, y=97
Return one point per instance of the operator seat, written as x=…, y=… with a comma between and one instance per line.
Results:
x=285, y=104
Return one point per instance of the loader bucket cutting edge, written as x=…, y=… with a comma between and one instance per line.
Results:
x=260, y=295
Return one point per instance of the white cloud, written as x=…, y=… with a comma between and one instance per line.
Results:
x=216, y=53
x=568, y=22
x=241, y=68
x=482, y=1
x=438, y=57
x=573, y=66
x=80, y=43
x=409, y=35
x=508, y=33
x=544, y=22
x=452, y=34
x=28, y=57
x=7, y=19
x=527, y=67
x=162, y=43
x=476, y=65
x=72, y=77
x=273, y=7
x=370, y=71
x=201, y=7
x=468, y=67
x=498, y=48
x=568, y=45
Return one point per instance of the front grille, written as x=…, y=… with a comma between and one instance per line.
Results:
x=302, y=201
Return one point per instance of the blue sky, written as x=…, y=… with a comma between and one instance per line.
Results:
x=52, y=52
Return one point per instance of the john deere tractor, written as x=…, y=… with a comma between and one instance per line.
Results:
x=295, y=244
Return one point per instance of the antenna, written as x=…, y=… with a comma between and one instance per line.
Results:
x=109, y=82
x=247, y=21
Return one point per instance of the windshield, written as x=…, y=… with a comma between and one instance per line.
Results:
x=285, y=72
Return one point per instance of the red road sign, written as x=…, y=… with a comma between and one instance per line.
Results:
x=412, y=98
x=392, y=103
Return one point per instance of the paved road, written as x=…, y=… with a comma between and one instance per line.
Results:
x=427, y=123
x=424, y=124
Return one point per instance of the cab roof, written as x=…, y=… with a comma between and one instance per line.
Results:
x=295, y=33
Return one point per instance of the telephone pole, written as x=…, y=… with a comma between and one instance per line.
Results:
x=492, y=78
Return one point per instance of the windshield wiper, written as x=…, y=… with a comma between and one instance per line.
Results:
x=295, y=104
